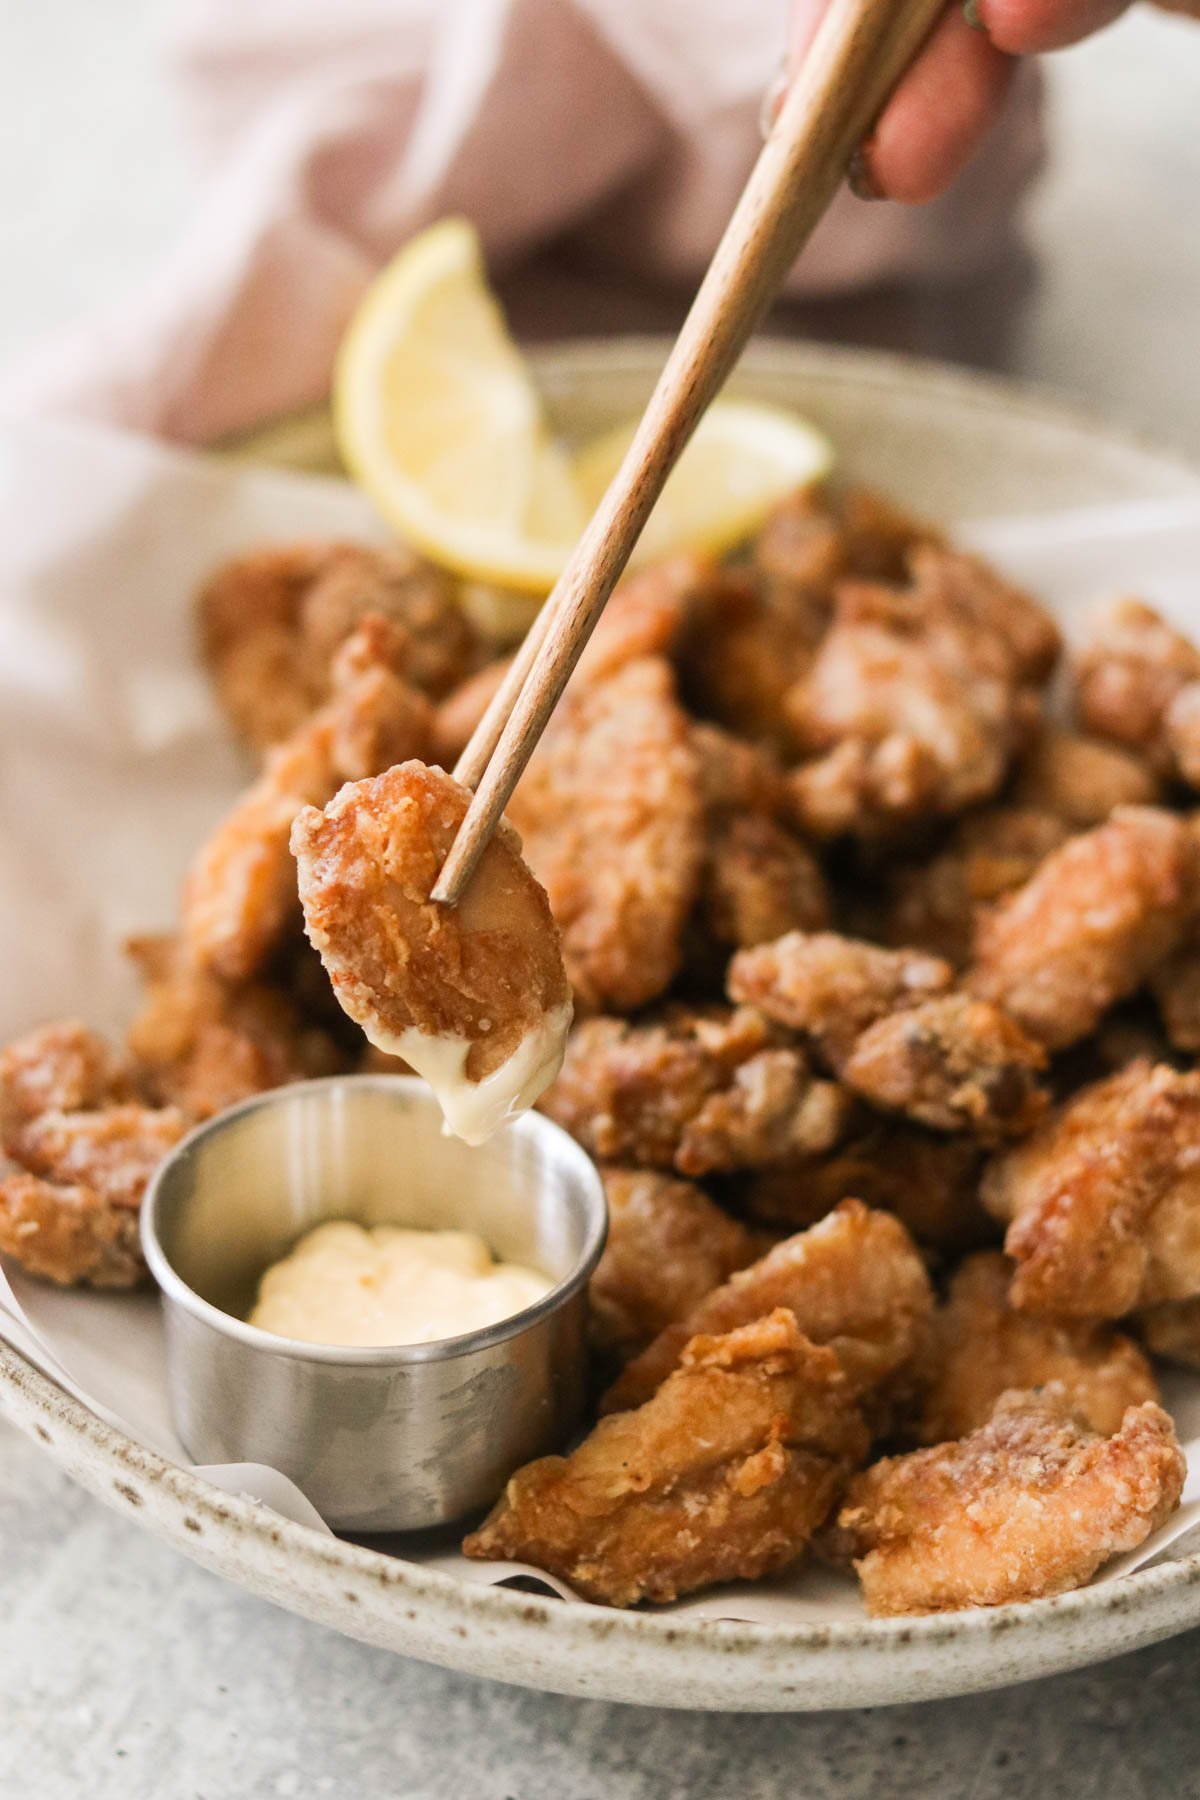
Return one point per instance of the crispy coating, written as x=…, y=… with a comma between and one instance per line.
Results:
x=745, y=644
x=271, y=623
x=982, y=1346
x=1103, y=1201
x=831, y=987
x=112, y=1152
x=611, y=819
x=930, y=1181
x=724, y=1474
x=203, y=1044
x=759, y=882
x=668, y=1245
x=63, y=1067
x=487, y=971
x=952, y=1063
x=1081, y=780
x=69, y=1235
x=934, y=902
x=86, y=1148
x=697, y=1091
x=1090, y=924
x=1033, y=1503
x=1127, y=674
x=855, y=1282
x=917, y=699
x=239, y=898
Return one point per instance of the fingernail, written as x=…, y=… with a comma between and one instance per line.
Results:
x=973, y=16
x=772, y=99
x=859, y=179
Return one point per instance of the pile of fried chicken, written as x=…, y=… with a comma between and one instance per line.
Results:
x=887, y=989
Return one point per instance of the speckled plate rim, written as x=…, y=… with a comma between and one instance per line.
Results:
x=645, y=1658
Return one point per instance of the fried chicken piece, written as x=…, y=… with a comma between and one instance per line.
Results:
x=831, y=987
x=983, y=1346
x=64, y=1067
x=1172, y=1330
x=1103, y=1201
x=1129, y=671
x=1081, y=780
x=928, y=1180
x=934, y=903
x=668, y=1245
x=952, y=1063
x=917, y=699
x=112, y=1152
x=697, y=1091
x=611, y=820
x=802, y=549
x=467, y=994
x=203, y=1044
x=86, y=1148
x=271, y=624
x=1033, y=1503
x=1089, y=926
x=724, y=1474
x=759, y=882
x=745, y=644
x=69, y=1235
x=456, y=717
x=239, y=897
x=854, y=1281
x=881, y=537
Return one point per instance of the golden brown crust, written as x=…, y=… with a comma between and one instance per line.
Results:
x=1103, y=1201
x=982, y=1346
x=698, y=1091
x=1172, y=1330
x=611, y=819
x=953, y=1064
x=1090, y=925
x=759, y=882
x=271, y=623
x=855, y=1282
x=62, y=1067
x=69, y=1235
x=239, y=898
x=203, y=1044
x=1128, y=672
x=831, y=987
x=1033, y=1503
x=487, y=971
x=724, y=1474
x=1080, y=779
x=668, y=1245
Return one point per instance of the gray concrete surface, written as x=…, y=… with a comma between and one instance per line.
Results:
x=127, y=1673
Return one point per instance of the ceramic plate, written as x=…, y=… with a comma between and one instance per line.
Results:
x=949, y=444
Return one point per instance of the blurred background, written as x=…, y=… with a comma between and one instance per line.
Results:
x=97, y=183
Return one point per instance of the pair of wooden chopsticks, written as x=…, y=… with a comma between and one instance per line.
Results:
x=862, y=49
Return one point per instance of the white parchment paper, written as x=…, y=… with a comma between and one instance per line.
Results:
x=114, y=763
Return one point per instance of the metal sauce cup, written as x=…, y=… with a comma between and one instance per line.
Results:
x=379, y=1439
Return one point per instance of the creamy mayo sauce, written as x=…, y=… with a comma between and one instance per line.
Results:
x=343, y=1284
x=473, y=1110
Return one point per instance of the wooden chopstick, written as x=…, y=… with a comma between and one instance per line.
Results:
x=860, y=52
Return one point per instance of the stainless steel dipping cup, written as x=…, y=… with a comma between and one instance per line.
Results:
x=379, y=1439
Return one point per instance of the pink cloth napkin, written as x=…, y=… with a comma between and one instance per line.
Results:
x=328, y=133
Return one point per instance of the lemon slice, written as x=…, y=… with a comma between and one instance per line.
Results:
x=742, y=460
x=439, y=420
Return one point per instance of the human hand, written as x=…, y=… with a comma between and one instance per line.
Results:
x=955, y=89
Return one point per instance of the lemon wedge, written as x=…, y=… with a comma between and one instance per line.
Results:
x=438, y=419
x=742, y=460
